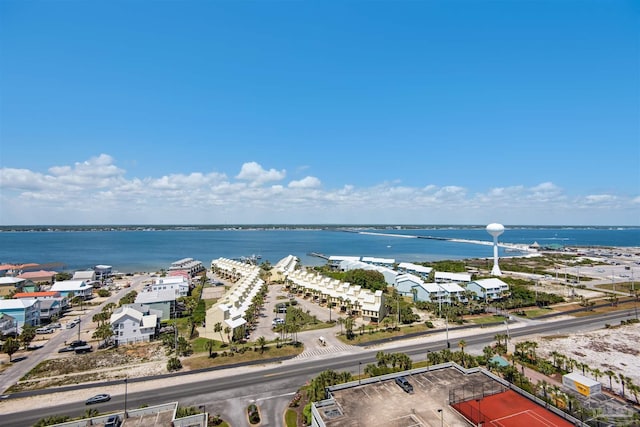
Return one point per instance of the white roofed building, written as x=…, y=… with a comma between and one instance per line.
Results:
x=163, y=300
x=188, y=265
x=131, y=326
x=335, y=260
x=179, y=284
x=418, y=270
x=73, y=288
x=443, y=276
x=382, y=262
x=230, y=310
x=389, y=274
x=88, y=276
x=489, y=289
x=284, y=267
x=351, y=298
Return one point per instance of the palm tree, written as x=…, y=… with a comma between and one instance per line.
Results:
x=227, y=332
x=622, y=380
x=462, y=344
x=610, y=374
x=209, y=346
x=218, y=328
x=262, y=341
x=340, y=322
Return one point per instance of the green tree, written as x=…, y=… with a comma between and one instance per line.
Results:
x=262, y=341
x=10, y=346
x=209, y=345
x=218, y=328
x=54, y=419
x=103, y=332
x=27, y=335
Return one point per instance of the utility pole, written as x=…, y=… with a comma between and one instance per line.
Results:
x=447, y=326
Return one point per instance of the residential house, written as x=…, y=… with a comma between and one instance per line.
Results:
x=415, y=269
x=429, y=292
x=335, y=260
x=380, y=262
x=88, y=276
x=443, y=276
x=163, y=300
x=40, y=277
x=351, y=298
x=230, y=310
x=189, y=265
x=102, y=272
x=489, y=289
x=179, y=284
x=404, y=283
x=52, y=304
x=131, y=326
x=24, y=311
x=73, y=288
x=388, y=273
x=453, y=292
x=8, y=326
x=283, y=267
x=11, y=284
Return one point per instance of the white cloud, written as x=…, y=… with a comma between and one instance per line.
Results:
x=97, y=191
x=256, y=175
x=307, y=182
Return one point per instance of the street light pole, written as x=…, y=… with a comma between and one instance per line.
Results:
x=447, y=328
x=441, y=417
x=359, y=378
x=125, y=398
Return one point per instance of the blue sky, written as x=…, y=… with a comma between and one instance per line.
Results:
x=421, y=112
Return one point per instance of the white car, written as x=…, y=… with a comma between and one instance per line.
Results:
x=44, y=330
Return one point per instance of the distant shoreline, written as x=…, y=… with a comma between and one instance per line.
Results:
x=265, y=227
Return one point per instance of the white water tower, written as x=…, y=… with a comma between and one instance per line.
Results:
x=495, y=230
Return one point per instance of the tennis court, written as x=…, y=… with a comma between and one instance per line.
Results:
x=509, y=409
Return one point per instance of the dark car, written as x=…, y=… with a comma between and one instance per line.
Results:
x=98, y=398
x=113, y=421
x=405, y=384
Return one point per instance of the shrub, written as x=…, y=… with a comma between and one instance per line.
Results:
x=254, y=415
x=174, y=364
x=429, y=324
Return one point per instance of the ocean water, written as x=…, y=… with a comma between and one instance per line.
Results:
x=152, y=250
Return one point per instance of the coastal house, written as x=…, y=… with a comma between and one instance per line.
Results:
x=350, y=298
x=404, y=283
x=88, y=276
x=429, y=292
x=443, y=277
x=334, y=261
x=179, y=284
x=52, y=304
x=230, y=310
x=380, y=262
x=284, y=267
x=8, y=326
x=24, y=311
x=41, y=277
x=103, y=272
x=489, y=289
x=388, y=273
x=73, y=288
x=163, y=300
x=8, y=285
x=453, y=292
x=415, y=269
x=189, y=265
x=131, y=326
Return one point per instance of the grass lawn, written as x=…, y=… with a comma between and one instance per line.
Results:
x=537, y=312
x=631, y=305
x=200, y=361
x=291, y=418
x=484, y=320
x=381, y=334
x=621, y=287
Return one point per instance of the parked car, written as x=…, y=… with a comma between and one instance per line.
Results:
x=113, y=421
x=404, y=384
x=44, y=330
x=55, y=325
x=98, y=398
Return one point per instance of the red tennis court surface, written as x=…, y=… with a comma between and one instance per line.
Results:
x=509, y=409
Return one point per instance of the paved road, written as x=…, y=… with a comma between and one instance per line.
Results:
x=229, y=391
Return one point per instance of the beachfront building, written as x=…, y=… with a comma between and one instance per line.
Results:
x=8, y=325
x=189, y=265
x=179, y=284
x=454, y=292
x=73, y=288
x=415, y=269
x=429, y=292
x=334, y=261
x=489, y=289
x=284, y=267
x=24, y=311
x=41, y=277
x=350, y=298
x=162, y=300
x=9, y=285
x=389, y=274
x=230, y=310
x=405, y=283
x=130, y=325
x=443, y=277
x=103, y=272
x=52, y=303
x=88, y=276
x=380, y=262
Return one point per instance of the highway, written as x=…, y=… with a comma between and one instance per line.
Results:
x=273, y=384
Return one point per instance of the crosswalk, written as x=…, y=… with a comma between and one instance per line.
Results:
x=319, y=351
